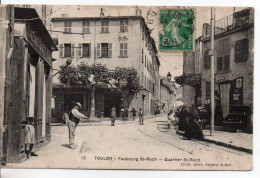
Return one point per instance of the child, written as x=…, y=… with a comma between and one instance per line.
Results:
x=141, y=117
x=29, y=137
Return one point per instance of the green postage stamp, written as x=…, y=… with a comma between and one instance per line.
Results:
x=177, y=29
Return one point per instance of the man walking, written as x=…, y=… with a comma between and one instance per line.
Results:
x=74, y=117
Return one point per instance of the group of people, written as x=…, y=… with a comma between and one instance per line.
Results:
x=124, y=115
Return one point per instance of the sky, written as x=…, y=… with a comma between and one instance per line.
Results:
x=170, y=62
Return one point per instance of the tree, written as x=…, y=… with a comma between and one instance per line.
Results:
x=123, y=79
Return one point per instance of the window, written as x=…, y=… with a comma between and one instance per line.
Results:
x=67, y=27
x=223, y=48
x=123, y=50
x=69, y=50
x=123, y=26
x=104, y=50
x=241, y=50
x=104, y=26
x=206, y=59
x=85, y=27
x=86, y=49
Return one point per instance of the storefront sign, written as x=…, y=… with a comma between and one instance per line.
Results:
x=36, y=40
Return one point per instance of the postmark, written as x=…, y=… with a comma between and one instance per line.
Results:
x=177, y=30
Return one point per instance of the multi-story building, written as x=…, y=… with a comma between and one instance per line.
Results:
x=122, y=41
x=191, y=90
x=26, y=72
x=167, y=94
x=234, y=56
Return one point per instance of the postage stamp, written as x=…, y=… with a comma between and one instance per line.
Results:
x=177, y=33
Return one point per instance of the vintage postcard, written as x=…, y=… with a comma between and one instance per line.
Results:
x=126, y=87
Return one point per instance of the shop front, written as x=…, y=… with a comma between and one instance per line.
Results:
x=29, y=90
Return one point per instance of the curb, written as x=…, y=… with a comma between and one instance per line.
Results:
x=228, y=145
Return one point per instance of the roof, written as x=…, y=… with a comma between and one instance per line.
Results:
x=146, y=29
x=31, y=16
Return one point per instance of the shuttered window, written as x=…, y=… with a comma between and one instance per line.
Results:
x=104, y=26
x=223, y=48
x=123, y=50
x=86, y=48
x=123, y=26
x=104, y=50
x=241, y=50
x=67, y=48
x=85, y=27
x=67, y=27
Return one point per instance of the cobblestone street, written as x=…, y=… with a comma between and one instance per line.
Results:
x=129, y=145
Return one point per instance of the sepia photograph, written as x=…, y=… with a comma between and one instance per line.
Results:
x=126, y=87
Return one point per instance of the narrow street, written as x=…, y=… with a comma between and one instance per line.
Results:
x=130, y=145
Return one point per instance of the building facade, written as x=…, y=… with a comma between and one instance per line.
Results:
x=167, y=94
x=234, y=57
x=191, y=91
x=116, y=42
x=27, y=75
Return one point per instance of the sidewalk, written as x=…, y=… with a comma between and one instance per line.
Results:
x=55, y=153
x=239, y=141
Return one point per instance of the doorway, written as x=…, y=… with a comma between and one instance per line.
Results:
x=110, y=100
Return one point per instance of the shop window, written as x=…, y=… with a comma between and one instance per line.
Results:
x=123, y=26
x=67, y=27
x=206, y=59
x=104, y=26
x=85, y=27
x=123, y=50
x=241, y=50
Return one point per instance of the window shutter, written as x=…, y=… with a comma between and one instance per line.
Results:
x=125, y=49
x=61, y=50
x=89, y=49
x=72, y=50
x=121, y=49
x=109, y=49
x=80, y=50
x=98, y=50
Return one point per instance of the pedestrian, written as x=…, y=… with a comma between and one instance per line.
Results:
x=113, y=116
x=126, y=114
x=74, y=118
x=141, y=116
x=30, y=139
x=133, y=111
x=123, y=113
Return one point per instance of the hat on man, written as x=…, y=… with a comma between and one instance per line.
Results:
x=78, y=104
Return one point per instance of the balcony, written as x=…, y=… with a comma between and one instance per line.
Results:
x=231, y=22
x=236, y=20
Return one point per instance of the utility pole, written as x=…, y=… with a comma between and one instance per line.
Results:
x=212, y=71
